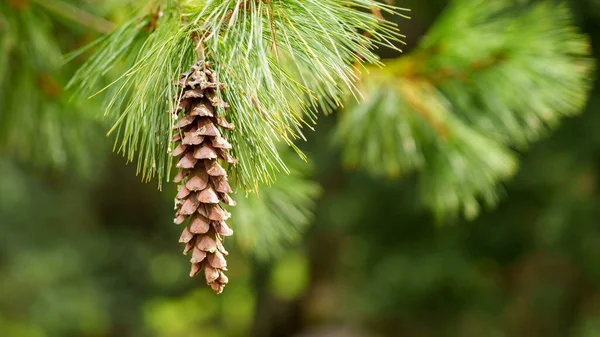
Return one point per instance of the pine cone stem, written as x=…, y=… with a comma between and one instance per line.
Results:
x=203, y=182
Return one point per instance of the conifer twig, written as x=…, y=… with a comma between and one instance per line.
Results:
x=270, y=55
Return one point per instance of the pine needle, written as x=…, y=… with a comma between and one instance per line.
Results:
x=280, y=61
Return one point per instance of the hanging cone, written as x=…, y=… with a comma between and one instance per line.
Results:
x=202, y=179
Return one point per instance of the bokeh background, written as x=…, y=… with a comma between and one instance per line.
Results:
x=86, y=249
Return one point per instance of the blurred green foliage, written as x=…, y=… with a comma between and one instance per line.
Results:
x=36, y=124
x=95, y=255
x=487, y=78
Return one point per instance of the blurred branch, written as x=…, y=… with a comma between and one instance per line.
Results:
x=488, y=77
x=77, y=15
x=414, y=67
x=410, y=94
x=32, y=101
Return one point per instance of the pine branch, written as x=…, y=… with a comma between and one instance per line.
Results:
x=488, y=77
x=270, y=56
x=261, y=70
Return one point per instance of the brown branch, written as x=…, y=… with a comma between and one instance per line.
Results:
x=271, y=14
x=414, y=102
x=377, y=13
x=154, y=17
x=199, y=44
x=49, y=86
x=415, y=69
x=18, y=5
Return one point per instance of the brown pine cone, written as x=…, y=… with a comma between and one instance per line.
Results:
x=203, y=181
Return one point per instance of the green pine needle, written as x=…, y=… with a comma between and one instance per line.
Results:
x=279, y=60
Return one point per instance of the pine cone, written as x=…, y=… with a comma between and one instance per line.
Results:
x=203, y=181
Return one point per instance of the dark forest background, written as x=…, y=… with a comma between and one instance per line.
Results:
x=89, y=250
